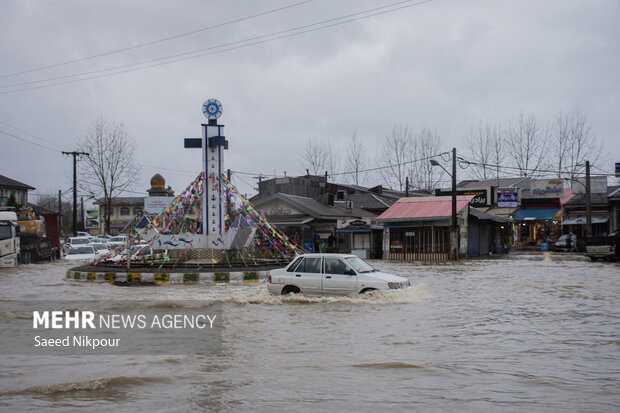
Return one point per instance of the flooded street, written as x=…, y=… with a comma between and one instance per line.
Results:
x=529, y=332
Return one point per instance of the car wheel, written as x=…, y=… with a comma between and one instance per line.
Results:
x=367, y=290
x=594, y=258
x=290, y=289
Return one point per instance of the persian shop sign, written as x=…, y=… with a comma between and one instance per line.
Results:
x=507, y=197
x=547, y=188
x=479, y=200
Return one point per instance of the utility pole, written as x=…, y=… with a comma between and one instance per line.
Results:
x=588, y=206
x=82, y=214
x=407, y=187
x=60, y=211
x=75, y=154
x=454, y=251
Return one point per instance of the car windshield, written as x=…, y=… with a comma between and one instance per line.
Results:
x=117, y=239
x=80, y=250
x=99, y=247
x=77, y=241
x=359, y=265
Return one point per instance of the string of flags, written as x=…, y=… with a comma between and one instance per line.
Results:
x=182, y=217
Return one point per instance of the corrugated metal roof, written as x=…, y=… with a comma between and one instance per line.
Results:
x=424, y=207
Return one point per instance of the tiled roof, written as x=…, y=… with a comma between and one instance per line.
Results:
x=6, y=182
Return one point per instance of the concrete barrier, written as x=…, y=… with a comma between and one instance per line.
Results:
x=168, y=278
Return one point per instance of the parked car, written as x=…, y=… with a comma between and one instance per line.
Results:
x=331, y=274
x=73, y=241
x=83, y=234
x=101, y=248
x=117, y=241
x=82, y=253
x=600, y=248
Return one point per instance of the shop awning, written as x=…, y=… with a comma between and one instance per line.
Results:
x=581, y=220
x=535, y=214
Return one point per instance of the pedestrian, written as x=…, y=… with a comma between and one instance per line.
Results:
x=569, y=242
x=617, y=244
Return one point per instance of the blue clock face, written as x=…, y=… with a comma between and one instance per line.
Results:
x=212, y=109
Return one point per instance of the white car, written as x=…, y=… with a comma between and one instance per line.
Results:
x=82, y=253
x=117, y=241
x=75, y=241
x=101, y=248
x=331, y=274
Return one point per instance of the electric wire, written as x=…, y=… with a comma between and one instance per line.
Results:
x=165, y=39
x=30, y=142
x=224, y=48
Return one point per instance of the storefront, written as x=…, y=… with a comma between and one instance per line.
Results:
x=418, y=229
x=534, y=225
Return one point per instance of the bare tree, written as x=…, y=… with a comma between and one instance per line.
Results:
x=573, y=143
x=395, y=156
x=526, y=146
x=314, y=157
x=113, y=168
x=356, y=160
x=426, y=145
x=332, y=163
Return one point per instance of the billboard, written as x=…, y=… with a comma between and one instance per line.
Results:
x=547, y=188
x=598, y=185
x=92, y=219
x=155, y=204
x=507, y=197
x=617, y=169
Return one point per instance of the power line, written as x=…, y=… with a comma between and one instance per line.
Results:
x=257, y=174
x=165, y=39
x=502, y=167
x=225, y=48
x=427, y=158
x=28, y=141
x=31, y=134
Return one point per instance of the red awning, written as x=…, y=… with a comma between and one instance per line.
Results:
x=424, y=207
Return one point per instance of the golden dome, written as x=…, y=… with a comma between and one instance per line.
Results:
x=158, y=182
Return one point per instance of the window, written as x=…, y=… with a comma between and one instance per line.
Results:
x=6, y=232
x=335, y=266
x=124, y=211
x=295, y=263
x=312, y=265
x=137, y=211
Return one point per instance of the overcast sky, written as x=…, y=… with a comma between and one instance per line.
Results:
x=443, y=64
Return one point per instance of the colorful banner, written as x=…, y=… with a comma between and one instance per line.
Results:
x=507, y=197
x=617, y=169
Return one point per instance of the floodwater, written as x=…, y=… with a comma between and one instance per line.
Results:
x=525, y=333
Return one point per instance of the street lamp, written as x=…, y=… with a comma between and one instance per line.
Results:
x=454, y=254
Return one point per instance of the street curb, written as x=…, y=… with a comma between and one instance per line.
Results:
x=165, y=278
